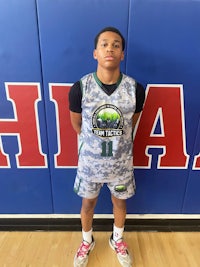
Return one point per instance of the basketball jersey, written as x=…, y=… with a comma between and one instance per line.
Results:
x=105, y=141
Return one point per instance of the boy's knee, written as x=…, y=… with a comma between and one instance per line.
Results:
x=89, y=204
x=119, y=203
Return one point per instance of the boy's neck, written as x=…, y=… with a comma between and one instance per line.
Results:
x=108, y=77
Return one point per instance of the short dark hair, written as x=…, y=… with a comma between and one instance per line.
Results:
x=109, y=29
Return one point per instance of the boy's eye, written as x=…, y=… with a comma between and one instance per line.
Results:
x=116, y=45
x=104, y=44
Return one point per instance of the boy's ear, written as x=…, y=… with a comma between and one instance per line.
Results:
x=122, y=56
x=94, y=54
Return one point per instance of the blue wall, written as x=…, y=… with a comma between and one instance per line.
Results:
x=45, y=47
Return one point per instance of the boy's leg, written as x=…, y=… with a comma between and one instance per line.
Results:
x=89, y=193
x=87, y=213
x=120, y=193
x=116, y=240
x=119, y=211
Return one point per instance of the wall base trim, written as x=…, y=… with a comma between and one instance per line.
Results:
x=99, y=224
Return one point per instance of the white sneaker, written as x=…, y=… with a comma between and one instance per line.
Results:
x=122, y=252
x=81, y=257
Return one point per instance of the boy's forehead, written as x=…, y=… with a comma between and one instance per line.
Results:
x=110, y=35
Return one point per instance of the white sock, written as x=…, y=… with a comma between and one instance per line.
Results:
x=87, y=236
x=117, y=233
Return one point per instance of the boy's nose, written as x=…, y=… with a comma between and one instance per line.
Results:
x=110, y=48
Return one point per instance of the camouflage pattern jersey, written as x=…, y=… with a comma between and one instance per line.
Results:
x=105, y=141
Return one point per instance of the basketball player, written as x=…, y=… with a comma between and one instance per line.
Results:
x=104, y=108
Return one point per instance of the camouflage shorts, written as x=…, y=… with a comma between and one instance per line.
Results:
x=90, y=190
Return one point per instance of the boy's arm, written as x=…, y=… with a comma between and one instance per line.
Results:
x=135, y=119
x=76, y=121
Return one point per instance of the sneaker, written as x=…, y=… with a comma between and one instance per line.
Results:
x=122, y=252
x=81, y=257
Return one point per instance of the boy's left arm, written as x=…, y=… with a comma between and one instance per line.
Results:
x=135, y=119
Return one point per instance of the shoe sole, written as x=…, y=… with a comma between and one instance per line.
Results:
x=92, y=247
x=111, y=245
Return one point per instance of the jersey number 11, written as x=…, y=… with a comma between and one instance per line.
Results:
x=107, y=149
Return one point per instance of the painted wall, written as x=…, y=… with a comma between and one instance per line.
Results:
x=45, y=47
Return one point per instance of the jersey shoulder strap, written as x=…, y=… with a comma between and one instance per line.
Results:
x=85, y=81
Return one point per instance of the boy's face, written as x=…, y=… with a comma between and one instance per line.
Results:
x=109, y=52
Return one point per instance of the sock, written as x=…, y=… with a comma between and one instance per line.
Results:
x=87, y=236
x=117, y=233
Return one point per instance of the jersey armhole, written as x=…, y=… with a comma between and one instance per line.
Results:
x=81, y=86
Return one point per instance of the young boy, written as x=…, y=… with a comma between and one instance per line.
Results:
x=104, y=108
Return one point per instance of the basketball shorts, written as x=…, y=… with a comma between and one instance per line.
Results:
x=91, y=190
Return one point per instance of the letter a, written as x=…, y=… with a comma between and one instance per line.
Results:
x=163, y=102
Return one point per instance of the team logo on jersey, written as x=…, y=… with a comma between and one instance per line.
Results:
x=107, y=121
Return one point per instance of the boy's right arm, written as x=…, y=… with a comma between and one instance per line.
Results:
x=76, y=121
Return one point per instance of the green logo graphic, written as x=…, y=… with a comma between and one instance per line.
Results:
x=107, y=121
